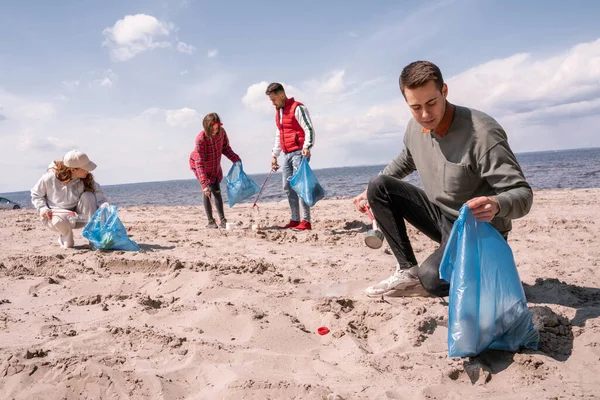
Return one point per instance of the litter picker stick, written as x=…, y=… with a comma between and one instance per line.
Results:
x=261, y=190
x=374, y=222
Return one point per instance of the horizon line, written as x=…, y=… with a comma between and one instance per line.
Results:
x=316, y=169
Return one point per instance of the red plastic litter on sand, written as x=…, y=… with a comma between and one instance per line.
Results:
x=323, y=330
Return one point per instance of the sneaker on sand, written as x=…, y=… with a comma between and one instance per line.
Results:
x=291, y=224
x=401, y=280
x=223, y=223
x=212, y=224
x=302, y=226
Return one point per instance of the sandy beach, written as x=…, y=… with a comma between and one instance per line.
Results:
x=204, y=314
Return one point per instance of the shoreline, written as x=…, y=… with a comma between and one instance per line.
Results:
x=284, y=200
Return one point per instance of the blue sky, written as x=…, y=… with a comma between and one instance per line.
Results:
x=129, y=81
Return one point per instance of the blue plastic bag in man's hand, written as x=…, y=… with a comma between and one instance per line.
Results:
x=106, y=231
x=487, y=306
x=239, y=185
x=305, y=183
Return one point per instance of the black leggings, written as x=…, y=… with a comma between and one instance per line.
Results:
x=218, y=200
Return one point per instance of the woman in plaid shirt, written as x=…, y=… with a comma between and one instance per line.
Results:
x=211, y=143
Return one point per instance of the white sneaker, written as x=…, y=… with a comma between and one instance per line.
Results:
x=400, y=280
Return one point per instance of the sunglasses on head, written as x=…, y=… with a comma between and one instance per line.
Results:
x=217, y=124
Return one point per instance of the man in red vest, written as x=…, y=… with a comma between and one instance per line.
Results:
x=295, y=137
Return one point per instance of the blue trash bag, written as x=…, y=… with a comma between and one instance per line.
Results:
x=106, y=231
x=305, y=183
x=487, y=306
x=239, y=185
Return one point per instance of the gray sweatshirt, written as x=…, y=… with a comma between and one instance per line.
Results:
x=472, y=159
x=49, y=192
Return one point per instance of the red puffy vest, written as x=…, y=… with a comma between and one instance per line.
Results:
x=291, y=134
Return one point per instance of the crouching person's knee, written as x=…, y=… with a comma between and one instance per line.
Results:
x=376, y=187
x=61, y=225
x=87, y=203
x=88, y=198
x=432, y=283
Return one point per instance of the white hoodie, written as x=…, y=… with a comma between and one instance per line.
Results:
x=49, y=192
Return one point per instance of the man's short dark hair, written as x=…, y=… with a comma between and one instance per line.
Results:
x=418, y=73
x=274, y=88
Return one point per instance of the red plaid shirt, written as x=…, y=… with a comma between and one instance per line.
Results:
x=208, y=162
x=193, y=161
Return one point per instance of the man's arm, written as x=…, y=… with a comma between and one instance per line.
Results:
x=400, y=167
x=499, y=166
x=277, y=145
x=303, y=118
x=403, y=165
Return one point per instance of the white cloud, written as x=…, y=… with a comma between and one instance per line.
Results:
x=108, y=141
x=108, y=79
x=137, y=28
x=135, y=34
x=256, y=99
x=185, y=48
x=35, y=132
x=150, y=112
x=381, y=122
x=534, y=98
x=22, y=109
x=34, y=111
x=182, y=117
x=106, y=82
x=31, y=142
x=212, y=53
x=71, y=85
x=90, y=80
x=524, y=84
x=542, y=102
x=185, y=72
x=333, y=85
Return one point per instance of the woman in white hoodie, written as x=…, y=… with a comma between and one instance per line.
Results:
x=68, y=186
